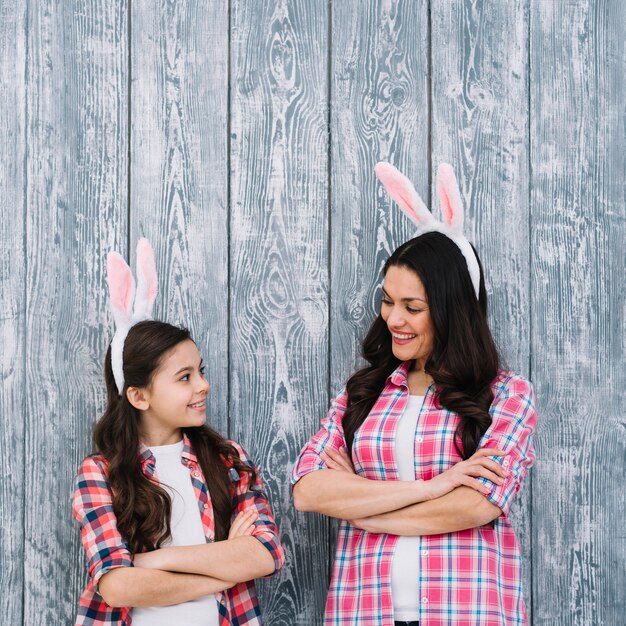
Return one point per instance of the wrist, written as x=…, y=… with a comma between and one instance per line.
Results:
x=426, y=490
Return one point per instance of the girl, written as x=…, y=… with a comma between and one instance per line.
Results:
x=174, y=519
x=423, y=451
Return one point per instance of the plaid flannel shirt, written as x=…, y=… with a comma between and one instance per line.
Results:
x=107, y=549
x=468, y=578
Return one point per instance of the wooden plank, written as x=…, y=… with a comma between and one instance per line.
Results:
x=480, y=126
x=379, y=112
x=76, y=211
x=12, y=305
x=578, y=62
x=279, y=273
x=178, y=185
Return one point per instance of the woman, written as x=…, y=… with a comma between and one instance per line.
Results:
x=173, y=516
x=422, y=452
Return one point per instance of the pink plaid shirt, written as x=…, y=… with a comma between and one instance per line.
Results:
x=106, y=548
x=467, y=578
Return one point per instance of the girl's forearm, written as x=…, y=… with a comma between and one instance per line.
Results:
x=239, y=559
x=139, y=587
x=460, y=509
x=349, y=496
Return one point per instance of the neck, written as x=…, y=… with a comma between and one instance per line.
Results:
x=156, y=436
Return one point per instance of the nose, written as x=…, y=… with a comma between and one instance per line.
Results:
x=395, y=319
x=204, y=386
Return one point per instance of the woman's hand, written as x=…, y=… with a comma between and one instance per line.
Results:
x=462, y=472
x=243, y=524
x=338, y=460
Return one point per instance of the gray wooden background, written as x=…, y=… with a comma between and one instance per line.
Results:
x=240, y=137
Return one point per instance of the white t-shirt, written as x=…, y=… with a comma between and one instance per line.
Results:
x=187, y=530
x=405, y=564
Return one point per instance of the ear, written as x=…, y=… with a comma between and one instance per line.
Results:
x=147, y=281
x=121, y=288
x=138, y=398
x=400, y=188
x=450, y=198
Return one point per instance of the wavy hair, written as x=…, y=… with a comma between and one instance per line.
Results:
x=142, y=507
x=464, y=359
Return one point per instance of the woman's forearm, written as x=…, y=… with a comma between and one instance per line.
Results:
x=349, y=496
x=239, y=559
x=460, y=509
x=139, y=587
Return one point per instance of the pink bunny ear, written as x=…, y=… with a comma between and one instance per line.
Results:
x=400, y=188
x=147, y=281
x=121, y=288
x=450, y=198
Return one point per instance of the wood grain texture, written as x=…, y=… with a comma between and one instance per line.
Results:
x=379, y=112
x=578, y=63
x=480, y=127
x=178, y=185
x=279, y=276
x=76, y=173
x=12, y=305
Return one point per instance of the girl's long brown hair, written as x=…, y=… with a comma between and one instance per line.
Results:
x=142, y=507
x=464, y=361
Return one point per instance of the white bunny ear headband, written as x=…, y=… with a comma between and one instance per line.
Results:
x=402, y=191
x=122, y=293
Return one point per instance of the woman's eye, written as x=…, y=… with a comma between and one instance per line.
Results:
x=387, y=302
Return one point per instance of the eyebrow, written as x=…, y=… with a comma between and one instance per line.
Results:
x=405, y=299
x=188, y=367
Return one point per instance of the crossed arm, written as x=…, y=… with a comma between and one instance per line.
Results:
x=451, y=501
x=182, y=573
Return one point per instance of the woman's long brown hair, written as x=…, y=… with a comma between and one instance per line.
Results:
x=142, y=507
x=464, y=361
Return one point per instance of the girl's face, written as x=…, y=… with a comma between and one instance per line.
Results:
x=405, y=310
x=176, y=397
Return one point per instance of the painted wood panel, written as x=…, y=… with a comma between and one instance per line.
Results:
x=577, y=65
x=178, y=171
x=278, y=268
x=480, y=126
x=76, y=211
x=12, y=304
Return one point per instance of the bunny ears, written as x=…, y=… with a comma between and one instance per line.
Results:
x=122, y=294
x=402, y=191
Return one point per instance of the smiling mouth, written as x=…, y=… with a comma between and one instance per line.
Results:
x=198, y=405
x=402, y=336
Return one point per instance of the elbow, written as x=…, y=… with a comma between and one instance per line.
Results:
x=487, y=512
x=114, y=589
x=300, y=500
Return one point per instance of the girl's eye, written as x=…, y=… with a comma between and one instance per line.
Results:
x=202, y=371
x=185, y=377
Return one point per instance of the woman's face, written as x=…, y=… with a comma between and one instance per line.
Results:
x=405, y=310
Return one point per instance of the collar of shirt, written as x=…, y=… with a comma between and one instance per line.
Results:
x=147, y=458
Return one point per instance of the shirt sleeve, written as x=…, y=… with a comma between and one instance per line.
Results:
x=329, y=436
x=93, y=509
x=254, y=497
x=512, y=429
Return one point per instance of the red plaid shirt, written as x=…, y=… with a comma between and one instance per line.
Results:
x=468, y=578
x=106, y=548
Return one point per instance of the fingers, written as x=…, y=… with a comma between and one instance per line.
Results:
x=488, y=452
x=337, y=459
x=475, y=484
x=243, y=524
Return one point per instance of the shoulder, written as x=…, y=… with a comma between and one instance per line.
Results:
x=93, y=466
x=243, y=454
x=508, y=384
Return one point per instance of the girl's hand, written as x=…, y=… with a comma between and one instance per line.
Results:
x=243, y=524
x=461, y=474
x=338, y=460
